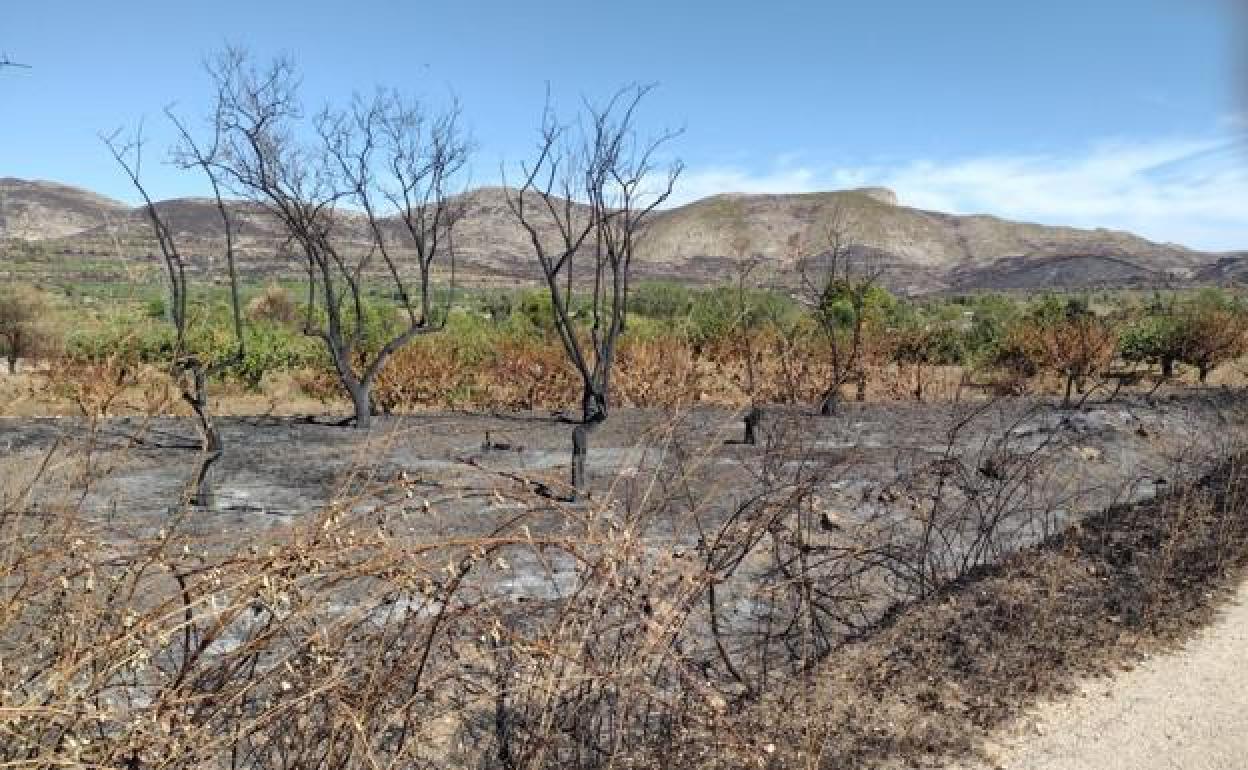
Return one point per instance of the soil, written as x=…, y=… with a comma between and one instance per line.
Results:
x=871, y=459
x=1085, y=600
x=953, y=677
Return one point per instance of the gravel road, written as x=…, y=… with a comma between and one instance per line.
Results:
x=1188, y=710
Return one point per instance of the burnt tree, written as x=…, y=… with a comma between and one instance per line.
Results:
x=189, y=369
x=836, y=282
x=583, y=200
x=336, y=183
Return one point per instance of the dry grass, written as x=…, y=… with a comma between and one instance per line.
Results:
x=275, y=304
x=779, y=633
x=935, y=677
x=117, y=389
x=437, y=373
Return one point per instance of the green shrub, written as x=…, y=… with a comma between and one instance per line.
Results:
x=935, y=344
x=665, y=300
x=719, y=312
x=139, y=339
x=837, y=304
x=156, y=308
x=497, y=305
x=945, y=346
x=644, y=328
x=1154, y=339
x=992, y=319
x=537, y=309
x=274, y=347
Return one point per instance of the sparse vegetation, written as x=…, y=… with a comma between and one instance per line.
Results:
x=499, y=340
x=652, y=630
x=944, y=507
x=710, y=607
x=27, y=332
x=673, y=625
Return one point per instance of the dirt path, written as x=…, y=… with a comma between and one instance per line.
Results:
x=1185, y=710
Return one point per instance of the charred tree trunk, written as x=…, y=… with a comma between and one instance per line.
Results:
x=187, y=369
x=597, y=160
x=1167, y=368
x=359, y=389
x=752, y=419
x=580, y=450
x=200, y=488
x=202, y=495
x=829, y=403
x=362, y=404
x=593, y=405
x=860, y=372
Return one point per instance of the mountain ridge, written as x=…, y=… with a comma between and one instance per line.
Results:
x=919, y=250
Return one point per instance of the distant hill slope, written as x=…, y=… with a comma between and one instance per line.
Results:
x=703, y=241
x=40, y=210
x=899, y=233
x=1039, y=273
x=1230, y=267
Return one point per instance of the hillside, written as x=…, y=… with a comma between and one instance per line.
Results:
x=42, y=210
x=928, y=246
x=704, y=241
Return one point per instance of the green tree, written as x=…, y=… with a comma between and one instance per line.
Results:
x=921, y=345
x=1154, y=339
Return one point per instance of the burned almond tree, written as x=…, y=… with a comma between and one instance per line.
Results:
x=191, y=370
x=583, y=201
x=837, y=281
x=330, y=181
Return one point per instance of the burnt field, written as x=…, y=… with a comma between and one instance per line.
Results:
x=877, y=456
x=863, y=588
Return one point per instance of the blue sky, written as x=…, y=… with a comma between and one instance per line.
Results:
x=1117, y=113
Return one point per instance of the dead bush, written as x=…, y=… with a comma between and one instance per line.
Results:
x=687, y=616
x=275, y=305
x=1077, y=347
x=27, y=328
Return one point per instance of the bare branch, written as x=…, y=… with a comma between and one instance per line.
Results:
x=836, y=275
x=374, y=163
x=585, y=195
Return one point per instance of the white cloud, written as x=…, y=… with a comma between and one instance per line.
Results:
x=1192, y=191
